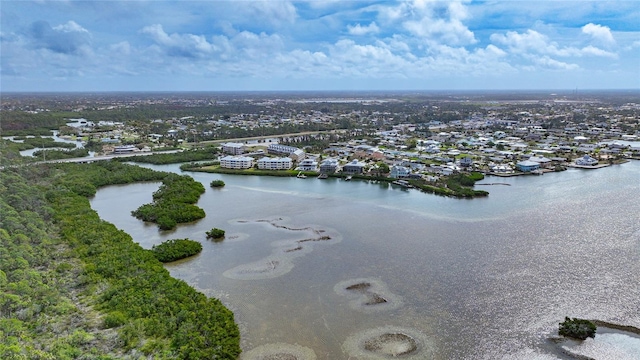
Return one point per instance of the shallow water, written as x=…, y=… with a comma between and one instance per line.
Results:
x=468, y=279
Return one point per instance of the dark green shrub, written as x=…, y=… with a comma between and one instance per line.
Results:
x=114, y=319
x=215, y=233
x=176, y=249
x=217, y=183
x=577, y=328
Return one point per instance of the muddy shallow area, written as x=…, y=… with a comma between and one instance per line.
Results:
x=279, y=351
x=280, y=261
x=389, y=342
x=394, y=344
x=368, y=295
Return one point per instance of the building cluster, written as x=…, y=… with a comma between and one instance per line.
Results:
x=399, y=138
x=545, y=137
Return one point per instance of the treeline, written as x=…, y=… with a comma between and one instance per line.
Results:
x=85, y=179
x=68, y=280
x=40, y=142
x=10, y=153
x=173, y=203
x=61, y=154
x=47, y=142
x=24, y=123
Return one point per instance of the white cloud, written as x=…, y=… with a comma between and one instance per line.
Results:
x=592, y=50
x=275, y=12
x=549, y=63
x=181, y=45
x=600, y=33
x=257, y=45
x=435, y=22
x=533, y=42
x=359, y=30
x=70, y=27
x=121, y=48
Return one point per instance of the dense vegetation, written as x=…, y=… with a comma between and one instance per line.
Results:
x=207, y=153
x=176, y=249
x=577, y=328
x=173, y=202
x=216, y=183
x=215, y=233
x=47, y=142
x=461, y=184
x=61, y=154
x=23, y=123
x=72, y=285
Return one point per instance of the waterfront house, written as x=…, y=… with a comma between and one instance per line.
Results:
x=527, y=166
x=586, y=161
x=308, y=165
x=354, y=167
x=329, y=166
x=399, y=172
x=543, y=161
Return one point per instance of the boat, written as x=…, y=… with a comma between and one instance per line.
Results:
x=301, y=175
x=323, y=176
x=403, y=183
x=348, y=178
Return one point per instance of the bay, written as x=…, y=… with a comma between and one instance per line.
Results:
x=485, y=278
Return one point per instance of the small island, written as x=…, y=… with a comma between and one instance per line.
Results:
x=173, y=203
x=577, y=328
x=217, y=183
x=176, y=249
x=215, y=234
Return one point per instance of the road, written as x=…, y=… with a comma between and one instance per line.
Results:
x=264, y=137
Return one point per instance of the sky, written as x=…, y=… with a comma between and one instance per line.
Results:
x=278, y=45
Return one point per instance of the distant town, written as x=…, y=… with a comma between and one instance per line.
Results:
x=401, y=135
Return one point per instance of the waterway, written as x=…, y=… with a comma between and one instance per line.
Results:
x=486, y=278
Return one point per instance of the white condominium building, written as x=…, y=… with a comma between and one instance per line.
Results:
x=267, y=163
x=293, y=152
x=236, y=162
x=233, y=148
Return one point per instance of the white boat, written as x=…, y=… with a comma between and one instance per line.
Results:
x=301, y=175
x=323, y=176
x=403, y=183
x=348, y=178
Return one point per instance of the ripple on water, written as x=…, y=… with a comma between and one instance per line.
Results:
x=389, y=342
x=236, y=237
x=279, y=351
